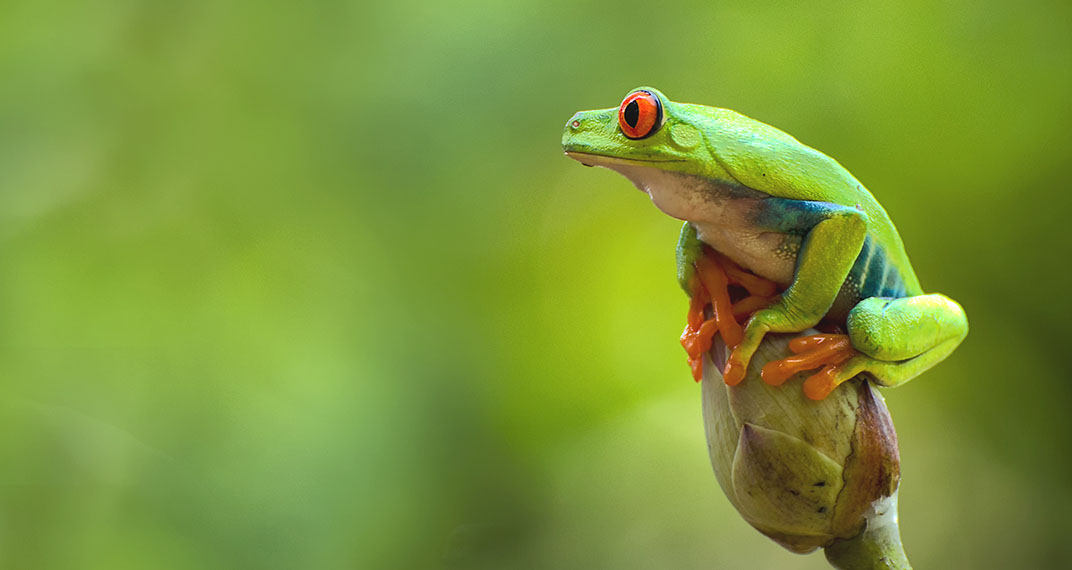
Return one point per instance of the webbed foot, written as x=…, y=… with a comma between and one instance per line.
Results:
x=715, y=275
x=829, y=351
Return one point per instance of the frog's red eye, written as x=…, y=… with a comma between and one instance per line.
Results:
x=640, y=115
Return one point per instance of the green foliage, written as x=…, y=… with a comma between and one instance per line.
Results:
x=293, y=285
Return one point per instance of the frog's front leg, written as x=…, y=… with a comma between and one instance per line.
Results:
x=833, y=238
x=897, y=340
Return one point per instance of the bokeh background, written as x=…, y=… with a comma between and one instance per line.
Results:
x=311, y=285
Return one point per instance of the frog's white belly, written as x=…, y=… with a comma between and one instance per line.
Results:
x=764, y=253
x=722, y=216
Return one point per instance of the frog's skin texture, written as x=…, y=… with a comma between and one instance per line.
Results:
x=787, y=213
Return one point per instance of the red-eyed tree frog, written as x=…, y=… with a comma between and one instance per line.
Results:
x=766, y=205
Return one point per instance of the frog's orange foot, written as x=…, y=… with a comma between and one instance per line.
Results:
x=830, y=351
x=712, y=296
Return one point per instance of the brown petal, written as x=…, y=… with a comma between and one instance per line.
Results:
x=873, y=469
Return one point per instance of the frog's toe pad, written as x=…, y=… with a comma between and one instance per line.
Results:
x=818, y=386
x=811, y=352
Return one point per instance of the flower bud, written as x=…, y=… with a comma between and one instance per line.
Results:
x=805, y=473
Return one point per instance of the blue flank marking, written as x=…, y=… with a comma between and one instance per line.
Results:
x=796, y=217
x=875, y=274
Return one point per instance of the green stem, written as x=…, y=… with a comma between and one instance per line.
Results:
x=878, y=547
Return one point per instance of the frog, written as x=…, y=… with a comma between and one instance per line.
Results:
x=766, y=203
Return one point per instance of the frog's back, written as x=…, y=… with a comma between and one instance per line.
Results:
x=775, y=163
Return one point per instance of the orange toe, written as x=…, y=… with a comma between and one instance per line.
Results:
x=696, y=365
x=697, y=302
x=819, y=386
x=734, y=371
x=776, y=372
x=805, y=343
x=714, y=280
x=697, y=341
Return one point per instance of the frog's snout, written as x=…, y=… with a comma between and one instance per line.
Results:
x=582, y=132
x=577, y=124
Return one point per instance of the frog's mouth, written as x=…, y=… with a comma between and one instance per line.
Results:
x=591, y=159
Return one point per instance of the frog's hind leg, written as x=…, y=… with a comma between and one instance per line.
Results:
x=897, y=340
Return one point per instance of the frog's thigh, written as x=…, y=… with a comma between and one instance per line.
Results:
x=689, y=249
x=899, y=329
x=901, y=338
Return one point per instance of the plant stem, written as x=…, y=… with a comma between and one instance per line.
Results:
x=878, y=547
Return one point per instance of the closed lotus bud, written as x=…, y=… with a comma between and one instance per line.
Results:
x=806, y=473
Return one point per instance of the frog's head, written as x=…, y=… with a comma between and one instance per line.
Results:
x=654, y=142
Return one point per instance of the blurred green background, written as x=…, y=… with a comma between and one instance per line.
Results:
x=311, y=285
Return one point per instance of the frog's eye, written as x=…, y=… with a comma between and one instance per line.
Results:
x=640, y=115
